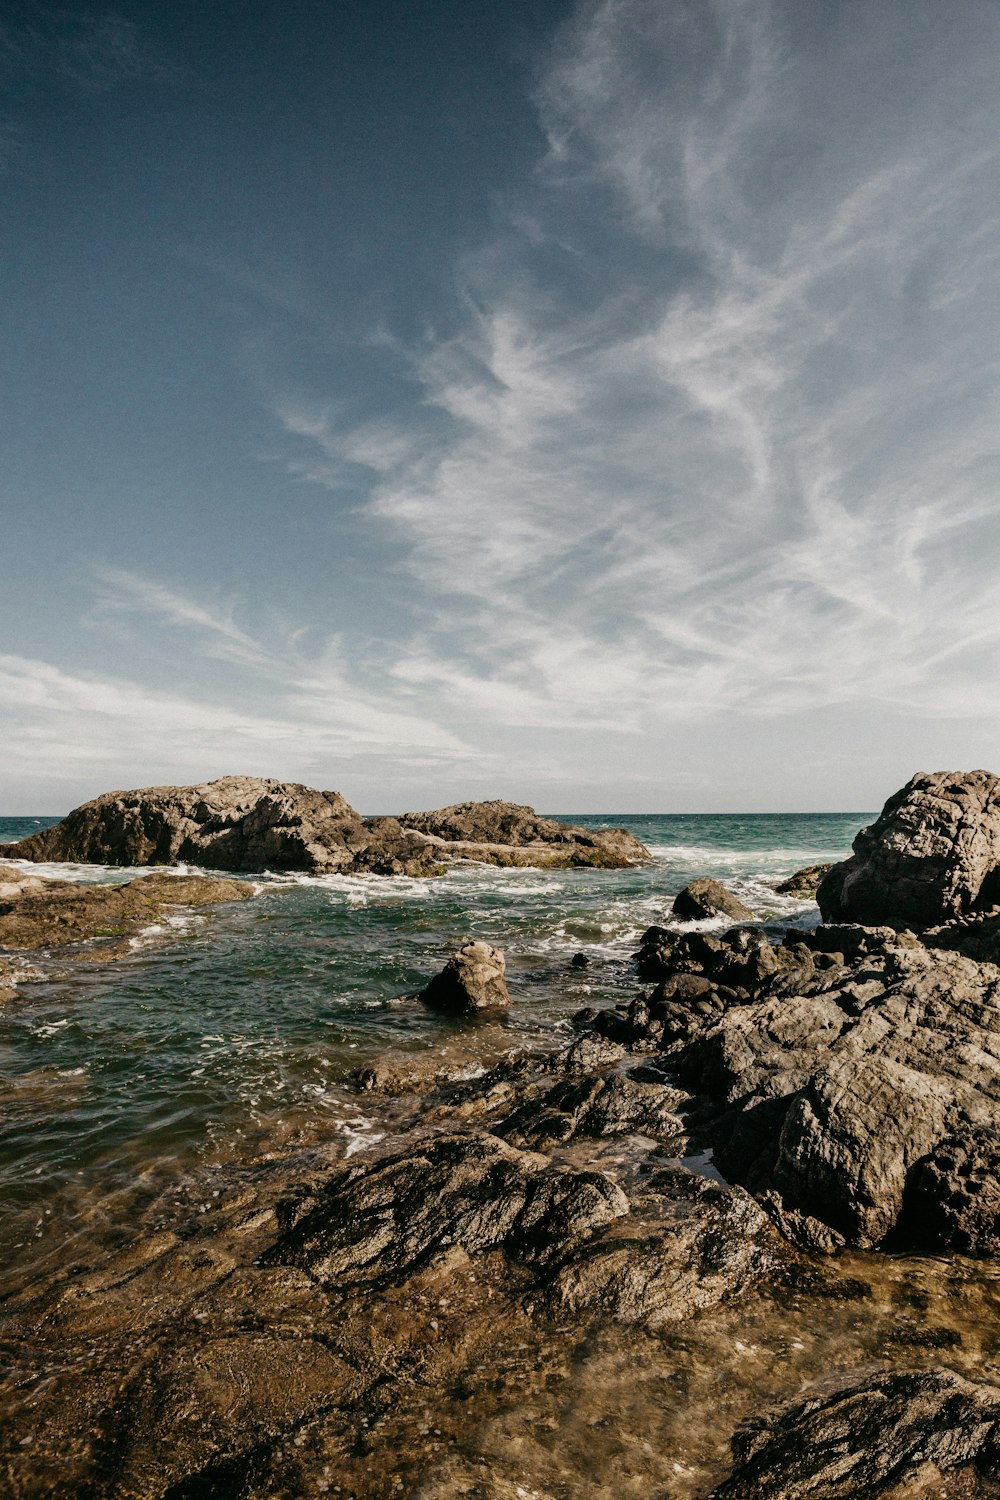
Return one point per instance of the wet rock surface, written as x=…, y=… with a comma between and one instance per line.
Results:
x=53, y=913
x=932, y=855
x=472, y=980
x=708, y=898
x=803, y=882
x=252, y=823
x=894, y=1432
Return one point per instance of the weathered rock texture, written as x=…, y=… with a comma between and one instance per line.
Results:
x=290, y=1331
x=803, y=882
x=52, y=913
x=708, y=898
x=932, y=855
x=506, y=832
x=870, y=1436
x=846, y=1077
x=250, y=823
x=474, y=978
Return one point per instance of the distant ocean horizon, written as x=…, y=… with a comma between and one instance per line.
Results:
x=241, y=1028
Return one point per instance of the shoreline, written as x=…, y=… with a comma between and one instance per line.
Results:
x=520, y=1270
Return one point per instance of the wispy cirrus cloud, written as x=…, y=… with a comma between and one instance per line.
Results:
x=747, y=458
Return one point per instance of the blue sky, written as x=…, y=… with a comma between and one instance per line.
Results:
x=594, y=405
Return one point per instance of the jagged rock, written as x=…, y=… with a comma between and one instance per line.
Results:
x=932, y=855
x=594, y=1106
x=688, y=1244
x=377, y=1224
x=509, y=833
x=473, y=979
x=708, y=898
x=804, y=882
x=254, y=823
x=235, y=823
x=832, y=1084
x=952, y=1199
x=52, y=913
x=869, y=1436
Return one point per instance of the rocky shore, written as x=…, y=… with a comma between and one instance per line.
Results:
x=684, y=1254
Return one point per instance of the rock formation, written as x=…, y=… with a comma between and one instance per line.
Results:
x=708, y=898
x=472, y=979
x=868, y=1436
x=53, y=913
x=932, y=855
x=513, y=834
x=250, y=823
x=844, y=1077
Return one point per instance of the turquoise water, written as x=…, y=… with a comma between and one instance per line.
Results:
x=229, y=1030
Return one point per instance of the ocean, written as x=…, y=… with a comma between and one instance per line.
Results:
x=239, y=1030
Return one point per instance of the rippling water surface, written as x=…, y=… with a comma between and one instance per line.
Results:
x=227, y=1030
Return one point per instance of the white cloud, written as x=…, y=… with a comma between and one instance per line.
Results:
x=758, y=472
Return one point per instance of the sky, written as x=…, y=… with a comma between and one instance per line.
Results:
x=589, y=404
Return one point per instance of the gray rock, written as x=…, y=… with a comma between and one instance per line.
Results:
x=869, y=1436
x=708, y=898
x=830, y=1086
x=235, y=823
x=952, y=1199
x=254, y=823
x=932, y=855
x=473, y=979
x=510, y=833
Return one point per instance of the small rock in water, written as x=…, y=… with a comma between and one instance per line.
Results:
x=473, y=979
x=580, y=961
x=708, y=898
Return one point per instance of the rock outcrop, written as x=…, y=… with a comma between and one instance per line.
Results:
x=509, y=833
x=473, y=979
x=870, y=1436
x=250, y=823
x=704, y=898
x=245, y=823
x=54, y=913
x=932, y=855
x=845, y=1077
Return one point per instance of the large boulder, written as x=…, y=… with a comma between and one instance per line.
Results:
x=474, y=978
x=932, y=855
x=510, y=833
x=235, y=823
x=703, y=898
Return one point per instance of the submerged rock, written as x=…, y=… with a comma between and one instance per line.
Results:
x=53, y=913
x=932, y=855
x=870, y=1436
x=473, y=979
x=708, y=898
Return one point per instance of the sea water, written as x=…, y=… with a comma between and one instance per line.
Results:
x=241, y=1027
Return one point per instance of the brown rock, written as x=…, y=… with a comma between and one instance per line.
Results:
x=53, y=913
x=708, y=898
x=510, y=833
x=473, y=979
